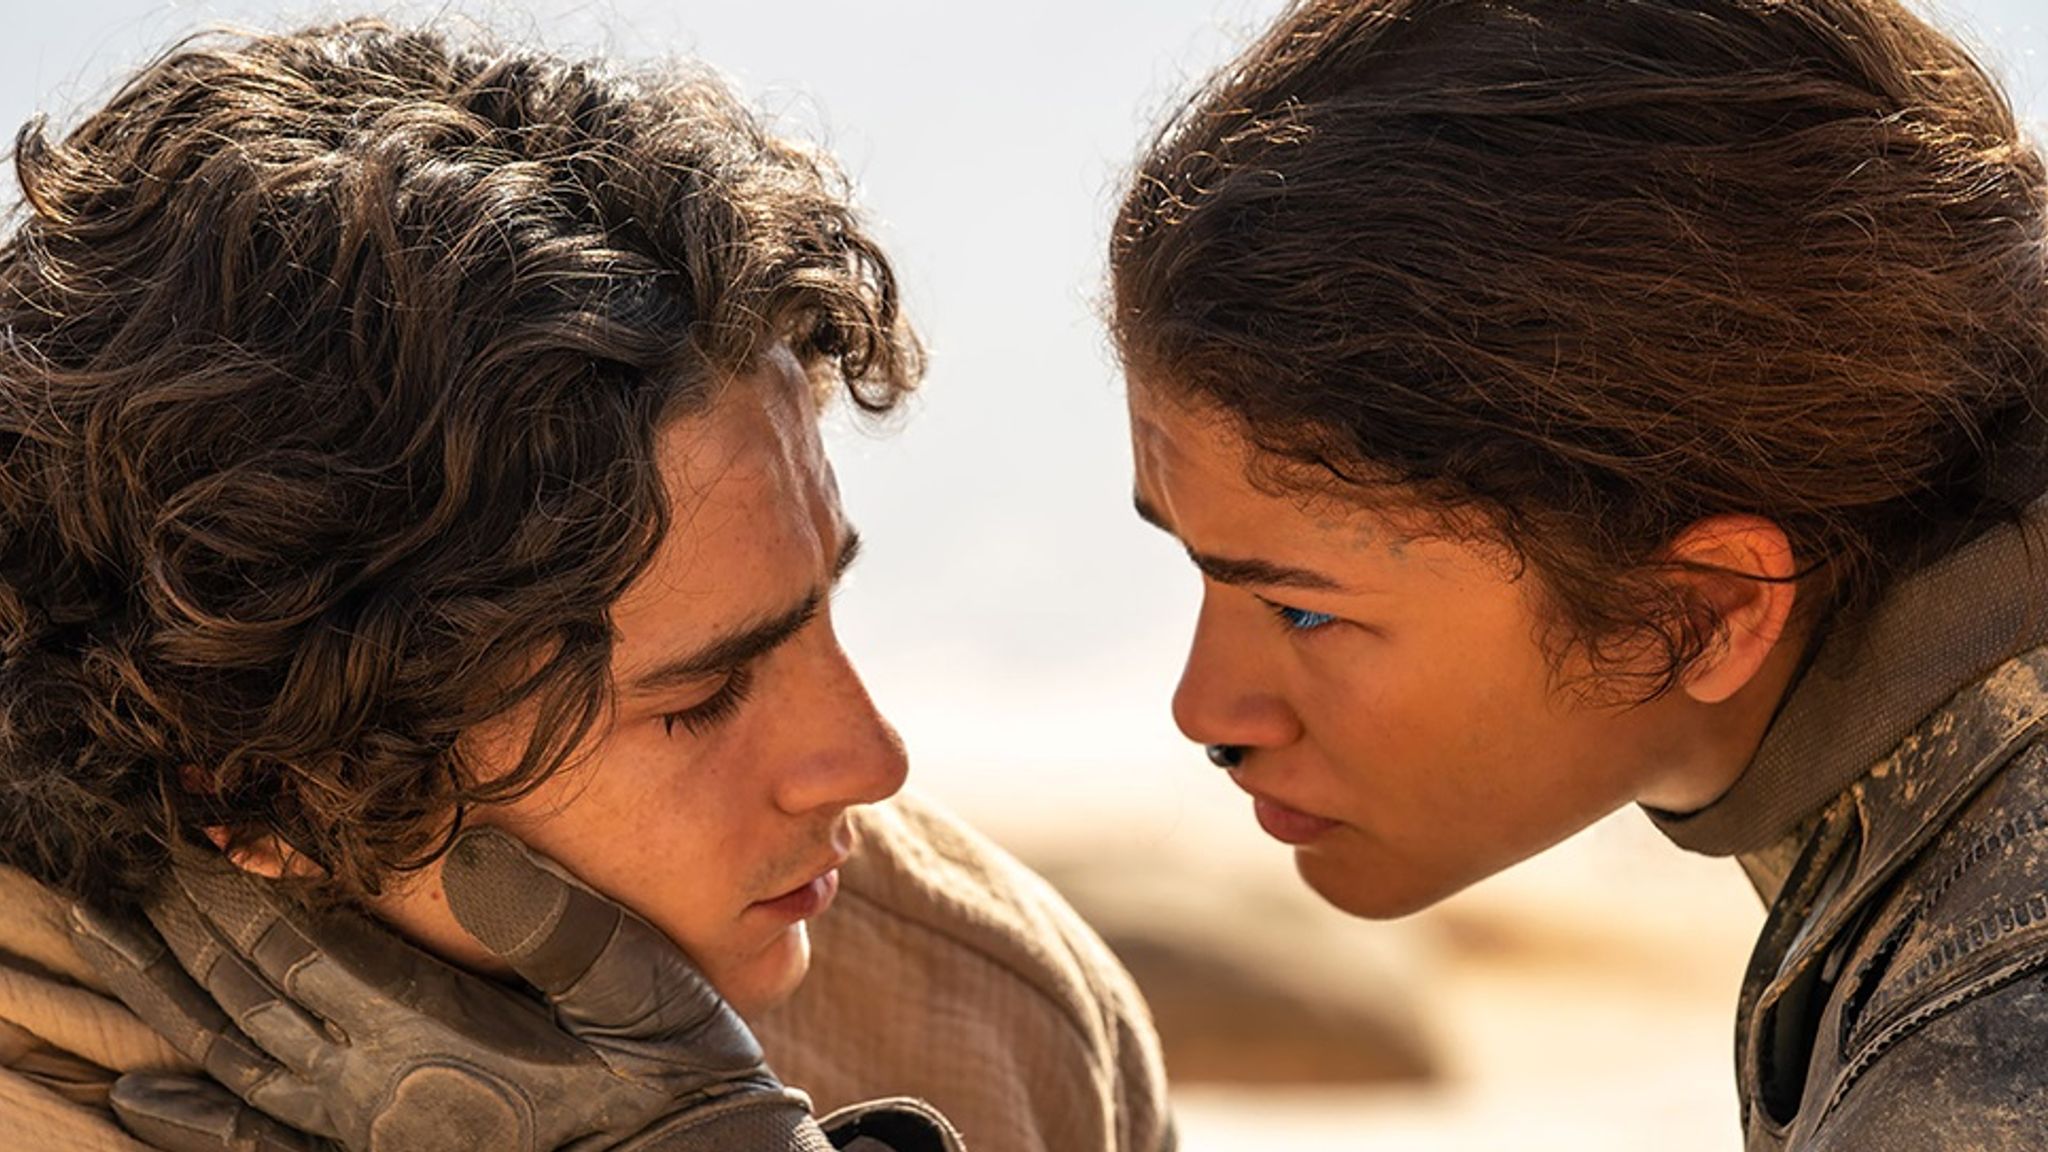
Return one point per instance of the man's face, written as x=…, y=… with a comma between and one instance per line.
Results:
x=713, y=802
x=1403, y=723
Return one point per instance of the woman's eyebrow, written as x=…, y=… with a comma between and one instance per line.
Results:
x=1241, y=571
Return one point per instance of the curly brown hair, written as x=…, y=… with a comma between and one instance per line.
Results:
x=1584, y=272
x=330, y=369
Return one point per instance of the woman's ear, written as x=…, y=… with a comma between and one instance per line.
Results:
x=1740, y=571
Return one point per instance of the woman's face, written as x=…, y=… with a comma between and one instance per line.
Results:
x=1403, y=723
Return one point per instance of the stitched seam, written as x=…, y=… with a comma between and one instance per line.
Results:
x=2031, y=822
x=1914, y=1020
x=1969, y=939
x=1966, y=940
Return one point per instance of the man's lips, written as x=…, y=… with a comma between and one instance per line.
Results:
x=1283, y=822
x=807, y=899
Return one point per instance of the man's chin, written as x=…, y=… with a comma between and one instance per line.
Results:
x=768, y=978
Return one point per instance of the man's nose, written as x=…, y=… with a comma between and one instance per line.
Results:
x=1228, y=693
x=850, y=755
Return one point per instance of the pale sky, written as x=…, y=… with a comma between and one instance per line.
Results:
x=1011, y=614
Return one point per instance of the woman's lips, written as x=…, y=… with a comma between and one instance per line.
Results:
x=803, y=901
x=1288, y=825
x=1282, y=823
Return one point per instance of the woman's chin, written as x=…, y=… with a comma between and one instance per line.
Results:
x=1360, y=889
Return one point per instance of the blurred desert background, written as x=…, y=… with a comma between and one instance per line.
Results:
x=1024, y=631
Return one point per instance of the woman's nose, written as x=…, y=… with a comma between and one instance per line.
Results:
x=1228, y=695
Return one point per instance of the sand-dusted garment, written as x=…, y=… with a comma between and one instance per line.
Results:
x=1896, y=998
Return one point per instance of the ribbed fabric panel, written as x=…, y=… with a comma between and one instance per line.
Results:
x=33, y=1117
x=746, y=1127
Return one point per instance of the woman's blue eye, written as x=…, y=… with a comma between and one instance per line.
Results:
x=1301, y=619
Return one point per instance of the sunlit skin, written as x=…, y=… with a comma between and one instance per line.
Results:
x=710, y=793
x=1405, y=725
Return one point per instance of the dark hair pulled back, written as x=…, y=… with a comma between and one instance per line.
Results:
x=1586, y=272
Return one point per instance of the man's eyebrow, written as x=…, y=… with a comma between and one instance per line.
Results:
x=1242, y=572
x=748, y=642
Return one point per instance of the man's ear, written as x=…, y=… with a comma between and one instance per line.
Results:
x=267, y=856
x=1739, y=570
